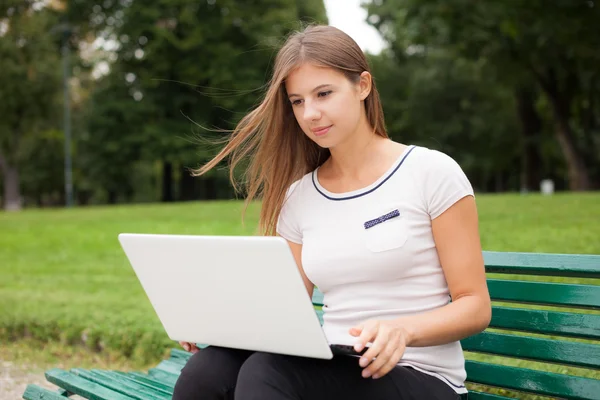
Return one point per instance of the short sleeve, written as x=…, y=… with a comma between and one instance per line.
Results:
x=287, y=223
x=444, y=183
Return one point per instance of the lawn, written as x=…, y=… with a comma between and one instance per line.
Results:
x=65, y=279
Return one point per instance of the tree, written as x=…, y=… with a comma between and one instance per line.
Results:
x=113, y=142
x=438, y=101
x=552, y=43
x=181, y=63
x=29, y=81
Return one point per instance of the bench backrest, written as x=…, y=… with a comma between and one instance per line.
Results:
x=545, y=329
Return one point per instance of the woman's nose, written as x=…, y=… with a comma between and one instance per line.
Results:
x=311, y=113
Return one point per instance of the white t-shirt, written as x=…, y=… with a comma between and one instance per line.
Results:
x=371, y=251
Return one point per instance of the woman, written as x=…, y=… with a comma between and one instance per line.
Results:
x=388, y=232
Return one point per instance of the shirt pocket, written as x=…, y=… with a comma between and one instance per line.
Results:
x=385, y=230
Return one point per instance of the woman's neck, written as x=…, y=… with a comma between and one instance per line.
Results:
x=350, y=158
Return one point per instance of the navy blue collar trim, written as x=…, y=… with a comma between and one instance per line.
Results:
x=368, y=191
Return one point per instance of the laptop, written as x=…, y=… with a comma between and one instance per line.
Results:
x=231, y=291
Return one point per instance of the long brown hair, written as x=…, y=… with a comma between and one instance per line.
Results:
x=278, y=152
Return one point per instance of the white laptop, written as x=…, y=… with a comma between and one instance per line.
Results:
x=231, y=291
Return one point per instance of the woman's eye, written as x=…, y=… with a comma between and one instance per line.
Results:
x=296, y=102
x=323, y=94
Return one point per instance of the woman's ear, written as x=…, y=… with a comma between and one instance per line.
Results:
x=365, y=85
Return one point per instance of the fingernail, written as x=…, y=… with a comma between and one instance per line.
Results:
x=376, y=376
x=363, y=362
x=358, y=347
x=366, y=374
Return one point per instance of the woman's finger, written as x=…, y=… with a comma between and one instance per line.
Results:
x=368, y=334
x=186, y=346
x=356, y=330
x=379, y=339
x=382, y=357
x=390, y=364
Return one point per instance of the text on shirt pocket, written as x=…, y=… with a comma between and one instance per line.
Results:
x=385, y=230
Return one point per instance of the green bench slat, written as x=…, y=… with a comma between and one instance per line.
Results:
x=180, y=354
x=178, y=361
x=163, y=376
x=169, y=366
x=545, y=293
x=320, y=315
x=531, y=292
x=317, y=297
x=546, y=383
x=82, y=387
x=486, y=396
x=33, y=392
x=556, y=351
x=571, y=265
x=122, y=385
x=148, y=381
x=159, y=390
x=547, y=322
x=585, y=326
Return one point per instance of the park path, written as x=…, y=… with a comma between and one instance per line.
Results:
x=15, y=377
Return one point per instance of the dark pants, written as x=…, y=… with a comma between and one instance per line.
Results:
x=218, y=373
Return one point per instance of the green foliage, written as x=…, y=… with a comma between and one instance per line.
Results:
x=451, y=105
x=549, y=43
x=182, y=69
x=453, y=79
x=113, y=143
x=41, y=168
x=28, y=87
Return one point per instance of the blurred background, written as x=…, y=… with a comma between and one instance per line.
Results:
x=107, y=101
x=106, y=105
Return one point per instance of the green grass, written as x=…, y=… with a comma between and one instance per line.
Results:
x=65, y=280
x=564, y=223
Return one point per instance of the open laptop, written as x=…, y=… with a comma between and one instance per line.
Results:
x=230, y=291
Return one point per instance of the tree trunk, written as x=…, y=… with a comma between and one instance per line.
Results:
x=187, y=188
x=577, y=171
x=561, y=99
x=112, y=197
x=531, y=126
x=210, y=188
x=590, y=124
x=12, y=193
x=167, y=186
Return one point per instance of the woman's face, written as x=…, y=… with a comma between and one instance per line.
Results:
x=327, y=106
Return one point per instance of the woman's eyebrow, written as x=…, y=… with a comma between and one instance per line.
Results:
x=312, y=91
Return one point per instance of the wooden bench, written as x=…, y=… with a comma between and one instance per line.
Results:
x=543, y=339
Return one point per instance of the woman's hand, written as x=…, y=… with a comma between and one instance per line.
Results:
x=191, y=347
x=389, y=342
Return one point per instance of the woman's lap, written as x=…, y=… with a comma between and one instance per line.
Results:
x=265, y=376
x=210, y=374
x=219, y=372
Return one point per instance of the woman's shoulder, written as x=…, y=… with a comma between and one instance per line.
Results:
x=430, y=164
x=441, y=179
x=428, y=158
x=298, y=186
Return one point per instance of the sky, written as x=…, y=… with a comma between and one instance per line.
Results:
x=350, y=17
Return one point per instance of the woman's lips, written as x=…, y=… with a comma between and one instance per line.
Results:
x=321, y=130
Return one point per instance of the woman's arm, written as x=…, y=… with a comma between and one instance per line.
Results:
x=456, y=235
x=297, y=252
